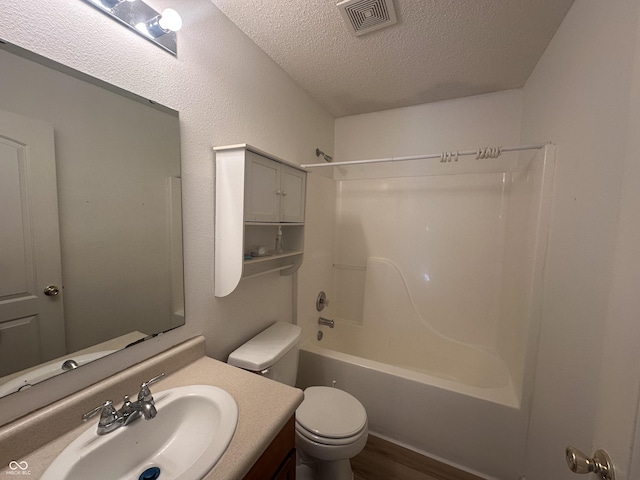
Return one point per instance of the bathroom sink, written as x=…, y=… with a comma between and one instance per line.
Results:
x=191, y=431
x=46, y=371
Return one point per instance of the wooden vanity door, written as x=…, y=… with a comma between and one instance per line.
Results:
x=288, y=469
x=278, y=462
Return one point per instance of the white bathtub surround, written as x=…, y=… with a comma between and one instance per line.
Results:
x=436, y=303
x=397, y=343
x=449, y=259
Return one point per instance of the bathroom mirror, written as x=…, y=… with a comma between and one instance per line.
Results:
x=91, y=237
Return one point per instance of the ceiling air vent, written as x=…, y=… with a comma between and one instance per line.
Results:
x=364, y=16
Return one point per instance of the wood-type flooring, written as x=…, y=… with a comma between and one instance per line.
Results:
x=383, y=460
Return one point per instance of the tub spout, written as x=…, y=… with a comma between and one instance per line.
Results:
x=326, y=322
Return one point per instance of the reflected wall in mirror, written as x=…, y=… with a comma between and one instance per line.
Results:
x=91, y=237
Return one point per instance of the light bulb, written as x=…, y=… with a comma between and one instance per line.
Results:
x=170, y=20
x=143, y=29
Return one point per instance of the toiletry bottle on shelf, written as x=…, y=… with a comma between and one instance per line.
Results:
x=279, y=245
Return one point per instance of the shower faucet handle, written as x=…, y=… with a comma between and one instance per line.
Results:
x=321, y=301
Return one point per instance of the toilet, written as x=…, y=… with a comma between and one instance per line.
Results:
x=331, y=425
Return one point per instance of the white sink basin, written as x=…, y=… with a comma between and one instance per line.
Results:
x=46, y=371
x=185, y=440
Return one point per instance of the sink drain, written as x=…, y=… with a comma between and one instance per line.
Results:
x=150, y=474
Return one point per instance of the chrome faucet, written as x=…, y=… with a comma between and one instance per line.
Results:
x=130, y=411
x=112, y=419
x=326, y=322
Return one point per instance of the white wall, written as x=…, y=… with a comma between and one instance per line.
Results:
x=227, y=91
x=578, y=96
x=461, y=124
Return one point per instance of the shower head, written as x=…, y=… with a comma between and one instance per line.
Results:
x=327, y=158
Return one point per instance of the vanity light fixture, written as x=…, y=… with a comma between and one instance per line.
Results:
x=159, y=28
x=113, y=3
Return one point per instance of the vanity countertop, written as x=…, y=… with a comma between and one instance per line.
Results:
x=264, y=406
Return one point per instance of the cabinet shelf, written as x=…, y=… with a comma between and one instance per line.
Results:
x=275, y=256
x=271, y=224
x=286, y=263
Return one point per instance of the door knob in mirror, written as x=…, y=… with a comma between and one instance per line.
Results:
x=51, y=291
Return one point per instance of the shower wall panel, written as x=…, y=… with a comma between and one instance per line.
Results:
x=445, y=233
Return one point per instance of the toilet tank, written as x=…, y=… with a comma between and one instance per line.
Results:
x=272, y=353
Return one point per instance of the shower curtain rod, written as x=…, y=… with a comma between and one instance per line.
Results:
x=491, y=152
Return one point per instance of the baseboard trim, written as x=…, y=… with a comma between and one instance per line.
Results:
x=383, y=459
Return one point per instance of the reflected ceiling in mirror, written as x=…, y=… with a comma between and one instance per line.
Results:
x=91, y=244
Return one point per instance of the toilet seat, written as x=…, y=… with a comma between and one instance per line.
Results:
x=330, y=416
x=327, y=441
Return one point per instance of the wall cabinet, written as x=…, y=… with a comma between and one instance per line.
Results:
x=257, y=197
x=274, y=192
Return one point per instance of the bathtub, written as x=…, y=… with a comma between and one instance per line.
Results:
x=476, y=427
x=460, y=368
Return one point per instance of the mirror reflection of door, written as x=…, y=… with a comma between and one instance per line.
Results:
x=31, y=323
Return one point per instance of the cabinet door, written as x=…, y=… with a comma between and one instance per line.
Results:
x=293, y=194
x=278, y=461
x=287, y=470
x=262, y=189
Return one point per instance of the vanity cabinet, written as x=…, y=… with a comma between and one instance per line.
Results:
x=278, y=462
x=258, y=196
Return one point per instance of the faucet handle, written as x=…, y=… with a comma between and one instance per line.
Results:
x=145, y=394
x=108, y=413
x=127, y=406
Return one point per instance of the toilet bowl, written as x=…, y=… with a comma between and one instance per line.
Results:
x=331, y=425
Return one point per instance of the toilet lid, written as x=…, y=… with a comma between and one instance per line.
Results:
x=331, y=412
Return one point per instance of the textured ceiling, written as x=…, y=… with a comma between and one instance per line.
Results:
x=440, y=49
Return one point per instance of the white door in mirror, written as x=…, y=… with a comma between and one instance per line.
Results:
x=31, y=323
